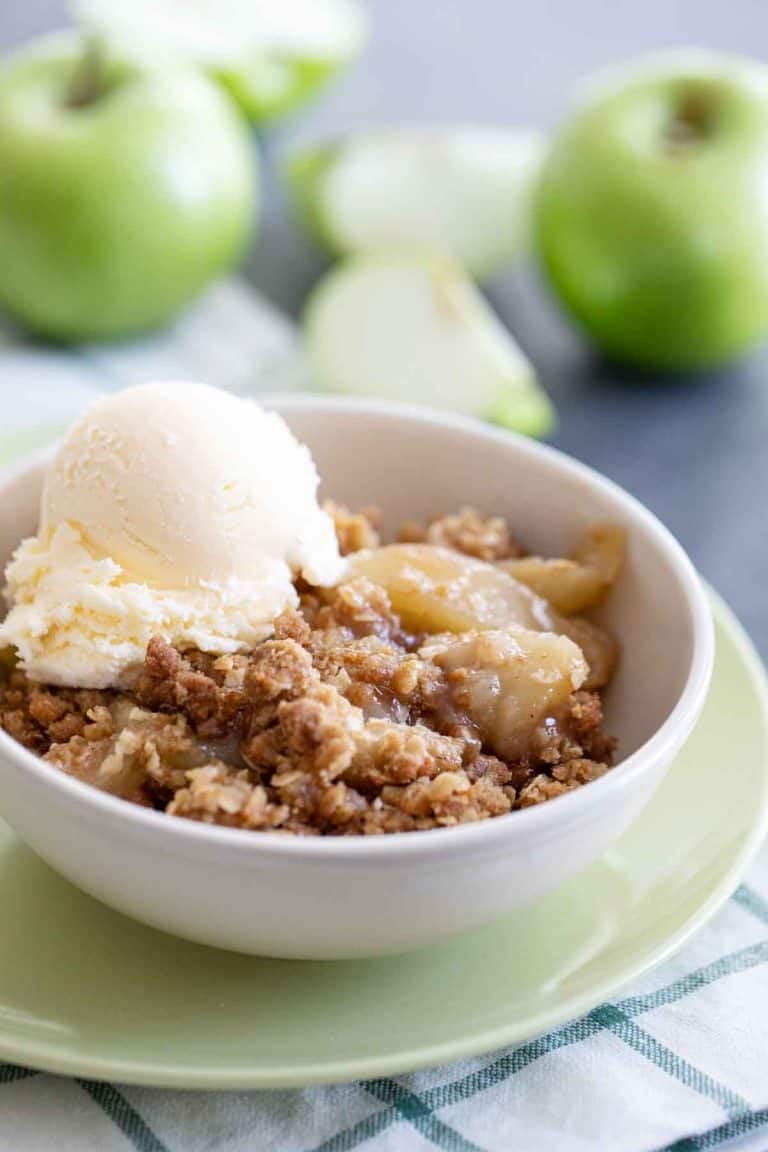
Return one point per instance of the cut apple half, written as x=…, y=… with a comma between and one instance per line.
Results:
x=464, y=190
x=271, y=55
x=409, y=325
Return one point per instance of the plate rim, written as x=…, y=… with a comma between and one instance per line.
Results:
x=36, y=1055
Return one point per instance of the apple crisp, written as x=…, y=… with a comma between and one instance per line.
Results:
x=434, y=686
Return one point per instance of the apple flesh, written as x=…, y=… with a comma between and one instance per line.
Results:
x=118, y=204
x=409, y=325
x=652, y=213
x=463, y=190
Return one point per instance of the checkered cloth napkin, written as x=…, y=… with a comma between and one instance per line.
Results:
x=678, y=1064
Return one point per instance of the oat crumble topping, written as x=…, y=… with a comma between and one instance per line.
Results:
x=342, y=723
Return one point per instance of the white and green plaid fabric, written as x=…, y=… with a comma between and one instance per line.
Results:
x=679, y=1063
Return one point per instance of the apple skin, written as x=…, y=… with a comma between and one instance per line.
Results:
x=304, y=174
x=652, y=213
x=275, y=87
x=115, y=215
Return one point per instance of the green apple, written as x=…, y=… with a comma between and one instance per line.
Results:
x=409, y=325
x=271, y=55
x=123, y=191
x=464, y=190
x=652, y=213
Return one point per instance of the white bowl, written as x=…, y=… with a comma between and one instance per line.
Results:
x=327, y=898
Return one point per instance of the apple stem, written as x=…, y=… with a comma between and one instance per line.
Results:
x=693, y=118
x=87, y=82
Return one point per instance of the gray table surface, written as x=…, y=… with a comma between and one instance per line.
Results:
x=695, y=451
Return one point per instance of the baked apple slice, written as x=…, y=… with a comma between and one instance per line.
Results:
x=509, y=682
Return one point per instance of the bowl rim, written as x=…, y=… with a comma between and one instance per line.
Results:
x=541, y=819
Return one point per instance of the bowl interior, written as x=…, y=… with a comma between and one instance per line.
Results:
x=413, y=467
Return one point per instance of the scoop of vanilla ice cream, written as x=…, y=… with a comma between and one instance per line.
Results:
x=172, y=509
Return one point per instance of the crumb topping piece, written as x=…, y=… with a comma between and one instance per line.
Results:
x=484, y=537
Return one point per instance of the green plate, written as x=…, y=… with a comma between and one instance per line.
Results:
x=86, y=991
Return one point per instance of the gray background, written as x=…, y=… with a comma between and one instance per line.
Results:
x=694, y=451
